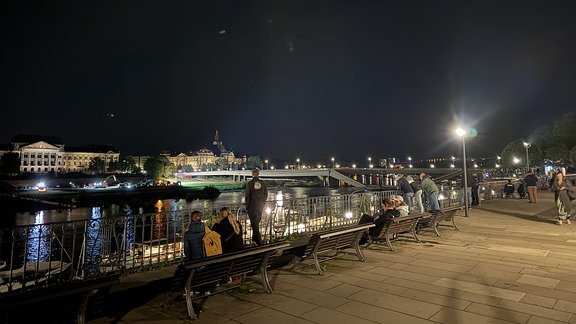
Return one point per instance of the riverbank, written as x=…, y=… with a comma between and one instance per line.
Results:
x=13, y=201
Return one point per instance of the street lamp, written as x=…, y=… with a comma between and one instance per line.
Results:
x=410, y=162
x=298, y=161
x=267, y=167
x=527, y=146
x=369, y=162
x=462, y=133
x=332, y=163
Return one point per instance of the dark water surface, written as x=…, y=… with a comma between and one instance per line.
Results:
x=229, y=198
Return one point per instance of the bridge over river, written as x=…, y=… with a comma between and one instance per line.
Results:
x=355, y=177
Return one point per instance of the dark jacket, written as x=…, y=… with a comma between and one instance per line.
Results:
x=509, y=188
x=256, y=195
x=404, y=186
x=382, y=221
x=193, y=245
x=415, y=186
x=231, y=241
x=531, y=180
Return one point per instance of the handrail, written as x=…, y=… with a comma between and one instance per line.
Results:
x=85, y=249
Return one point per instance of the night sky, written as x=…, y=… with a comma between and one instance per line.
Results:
x=310, y=79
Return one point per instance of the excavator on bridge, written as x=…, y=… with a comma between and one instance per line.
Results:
x=109, y=181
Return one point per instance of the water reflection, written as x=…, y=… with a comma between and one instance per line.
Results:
x=230, y=198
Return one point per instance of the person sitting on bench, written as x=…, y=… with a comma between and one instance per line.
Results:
x=509, y=189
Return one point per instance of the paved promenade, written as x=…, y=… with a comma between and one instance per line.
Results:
x=509, y=263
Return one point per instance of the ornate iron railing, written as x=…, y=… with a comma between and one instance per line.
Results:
x=47, y=254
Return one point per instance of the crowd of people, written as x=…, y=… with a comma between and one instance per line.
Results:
x=409, y=202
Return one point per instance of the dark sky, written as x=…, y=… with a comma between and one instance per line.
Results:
x=287, y=79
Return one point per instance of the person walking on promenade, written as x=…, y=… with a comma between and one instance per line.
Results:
x=531, y=182
x=406, y=189
x=193, y=245
x=230, y=231
x=431, y=191
x=255, y=196
x=560, y=187
x=417, y=193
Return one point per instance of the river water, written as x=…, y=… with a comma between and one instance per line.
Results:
x=228, y=198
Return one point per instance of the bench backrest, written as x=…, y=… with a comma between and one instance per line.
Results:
x=403, y=224
x=341, y=239
x=220, y=268
x=449, y=212
x=328, y=240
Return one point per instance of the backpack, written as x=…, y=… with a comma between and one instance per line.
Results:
x=212, y=243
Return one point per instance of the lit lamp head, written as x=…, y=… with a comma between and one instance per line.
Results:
x=460, y=132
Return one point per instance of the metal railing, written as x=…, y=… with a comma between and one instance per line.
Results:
x=48, y=254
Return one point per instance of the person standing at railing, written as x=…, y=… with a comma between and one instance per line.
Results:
x=417, y=193
x=406, y=189
x=255, y=196
x=230, y=231
x=193, y=245
x=431, y=190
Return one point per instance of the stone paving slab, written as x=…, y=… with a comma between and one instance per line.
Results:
x=509, y=263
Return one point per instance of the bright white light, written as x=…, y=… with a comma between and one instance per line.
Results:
x=460, y=132
x=348, y=214
x=279, y=199
x=268, y=210
x=301, y=227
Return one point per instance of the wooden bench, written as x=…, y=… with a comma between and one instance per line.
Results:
x=443, y=218
x=199, y=279
x=329, y=244
x=398, y=226
x=65, y=303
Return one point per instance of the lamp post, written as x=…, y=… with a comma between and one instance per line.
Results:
x=410, y=162
x=267, y=167
x=369, y=162
x=332, y=163
x=527, y=146
x=298, y=161
x=462, y=133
